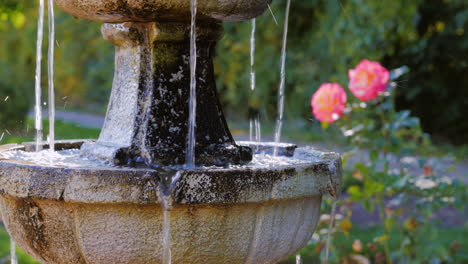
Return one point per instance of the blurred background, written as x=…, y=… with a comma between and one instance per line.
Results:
x=326, y=38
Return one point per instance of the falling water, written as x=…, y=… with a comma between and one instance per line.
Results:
x=252, y=55
x=255, y=125
x=258, y=130
x=298, y=259
x=40, y=33
x=279, y=121
x=167, y=255
x=255, y=122
x=251, y=128
x=190, y=159
x=50, y=70
x=330, y=230
x=14, y=257
x=167, y=200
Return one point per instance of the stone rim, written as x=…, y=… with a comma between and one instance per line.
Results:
x=144, y=186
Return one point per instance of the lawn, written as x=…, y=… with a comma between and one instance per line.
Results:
x=63, y=130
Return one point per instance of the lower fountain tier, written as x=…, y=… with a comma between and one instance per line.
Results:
x=114, y=215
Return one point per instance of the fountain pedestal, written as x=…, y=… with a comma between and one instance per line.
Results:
x=148, y=110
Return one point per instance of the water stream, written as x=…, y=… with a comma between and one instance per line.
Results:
x=37, y=87
x=252, y=55
x=279, y=121
x=298, y=259
x=50, y=71
x=14, y=257
x=258, y=130
x=191, y=141
x=167, y=200
x=330, y=230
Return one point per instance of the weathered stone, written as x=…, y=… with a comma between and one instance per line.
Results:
x=114, y=215
x=282, y=149
x=147, y=117
x=117, y=11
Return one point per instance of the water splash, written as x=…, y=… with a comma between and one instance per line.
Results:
x=167, y=201
x=37, y=108
x=279, y=121
x=74, y=158
x=14, y=257
x=190, y=159
x=330, y=230
x=50, y=71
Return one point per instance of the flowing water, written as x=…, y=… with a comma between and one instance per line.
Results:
x=252, y=55
x=251, y=128
x=37, y=108
x=279, y=121
x=330, y=230
x=272, y=14
x=258, y=130
x=74, y=158
x=256, y=121
x=190, y=159
x=14, y=257
x=50, y=71
x=167, y=200
x=298, y=259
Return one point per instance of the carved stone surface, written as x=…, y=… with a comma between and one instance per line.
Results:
x=116, y=11
x=114, y=215
x=148, y=111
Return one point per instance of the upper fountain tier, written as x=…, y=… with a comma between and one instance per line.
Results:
x=117, y=11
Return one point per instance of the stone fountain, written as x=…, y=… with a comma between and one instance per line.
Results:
x=222, y=211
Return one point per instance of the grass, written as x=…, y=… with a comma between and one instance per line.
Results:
x=23, y=258
x=63, y=130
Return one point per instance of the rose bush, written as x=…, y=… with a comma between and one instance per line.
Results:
x=390, y=174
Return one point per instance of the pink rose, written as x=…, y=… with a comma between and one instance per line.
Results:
x=328, y=103
x=368, y=80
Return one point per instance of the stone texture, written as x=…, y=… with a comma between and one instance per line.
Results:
x=55, y=232
x=148, y=111
x=116, y=11
x=114, y=215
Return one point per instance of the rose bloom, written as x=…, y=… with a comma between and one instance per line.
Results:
x=368, y=80
x=328, y=103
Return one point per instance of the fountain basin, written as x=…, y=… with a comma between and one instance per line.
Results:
x=114, y=215
x=116, y=11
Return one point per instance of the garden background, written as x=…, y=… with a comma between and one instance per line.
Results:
x=326, y=39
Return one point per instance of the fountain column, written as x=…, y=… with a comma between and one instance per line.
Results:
x=148, y=111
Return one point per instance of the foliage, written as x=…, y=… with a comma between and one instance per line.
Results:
x=84, y=62
x=325, y=39
x=393, y=176
x=438, y=58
